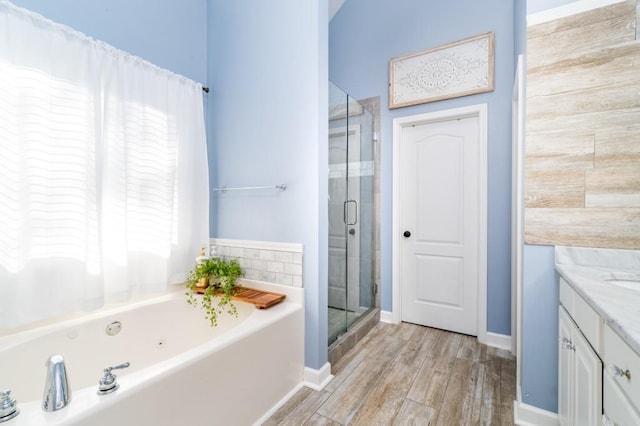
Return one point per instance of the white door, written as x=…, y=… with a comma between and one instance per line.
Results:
x=439, y=220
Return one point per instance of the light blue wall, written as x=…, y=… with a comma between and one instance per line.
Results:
x=363, y=36
x=268, y=125
x=520, y=28
x=539, y=379
x=168, y=33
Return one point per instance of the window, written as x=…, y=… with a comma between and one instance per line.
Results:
x=103, y=172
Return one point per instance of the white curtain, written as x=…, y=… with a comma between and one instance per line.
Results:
x=103, y=172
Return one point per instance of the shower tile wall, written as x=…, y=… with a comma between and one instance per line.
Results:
x=263, y=261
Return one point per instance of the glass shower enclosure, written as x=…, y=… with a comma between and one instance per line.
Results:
x=351, y=212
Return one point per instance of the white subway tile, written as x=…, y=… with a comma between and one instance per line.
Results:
x=293, y=269
x=275, y=267
x=284, y=279
x=297, y=258
x=252, y=253
x=284, y=256
x=244, y=263
x=269, y=277
x=236, y=252
x=251, y=274
x=259, y=265
x=296, y=281
x=267, y=255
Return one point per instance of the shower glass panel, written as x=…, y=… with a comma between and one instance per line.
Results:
x=351, y=212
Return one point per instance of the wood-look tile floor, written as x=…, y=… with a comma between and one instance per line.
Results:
x=405, y=374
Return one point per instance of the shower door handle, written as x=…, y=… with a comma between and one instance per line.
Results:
x=346, y=212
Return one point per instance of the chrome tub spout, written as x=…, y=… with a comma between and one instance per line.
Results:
x=57, y=392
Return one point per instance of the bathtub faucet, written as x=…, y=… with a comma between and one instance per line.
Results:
x=108, y=382
x=8, y=406
x=57, y=392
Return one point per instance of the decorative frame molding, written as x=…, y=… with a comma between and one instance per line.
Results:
x=462, y=68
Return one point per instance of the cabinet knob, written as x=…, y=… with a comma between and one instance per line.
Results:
x=568, y=344
x=615, y=371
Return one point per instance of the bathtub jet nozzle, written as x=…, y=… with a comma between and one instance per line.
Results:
x=57, y=392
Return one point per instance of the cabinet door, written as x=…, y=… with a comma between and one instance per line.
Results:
x=616, y=406
x=565, y=370
x=587, y=383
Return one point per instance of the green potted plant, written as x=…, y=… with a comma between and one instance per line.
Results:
x=216, y=279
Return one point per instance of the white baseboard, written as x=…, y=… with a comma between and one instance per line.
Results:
x=528, y=415
x=317, y=379
x=278, y=404
x=386, y=316
x=500, y=341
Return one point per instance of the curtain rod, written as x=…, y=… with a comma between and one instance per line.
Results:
x=205, y=89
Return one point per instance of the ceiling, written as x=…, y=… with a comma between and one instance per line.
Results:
x=334, y=6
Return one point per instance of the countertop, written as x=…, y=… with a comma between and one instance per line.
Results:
x=584, y=269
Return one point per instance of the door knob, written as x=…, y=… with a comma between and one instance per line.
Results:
x=352, y=231
x=406, y=234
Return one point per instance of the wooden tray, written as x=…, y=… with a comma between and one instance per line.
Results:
x=261, y=299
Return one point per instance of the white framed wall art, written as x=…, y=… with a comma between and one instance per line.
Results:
x=461, y=68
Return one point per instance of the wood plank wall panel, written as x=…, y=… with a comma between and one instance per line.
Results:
x=572, y=36
x=619, y=147
x=612, y=187
x=561, y=149
x=582, y=164
x=594, y=227
x=555, y=188
x=607, y=66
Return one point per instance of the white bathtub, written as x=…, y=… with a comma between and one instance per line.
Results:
x=183, y=371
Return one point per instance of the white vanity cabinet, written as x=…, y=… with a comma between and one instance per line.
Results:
x=579, y=366
x=598, y=373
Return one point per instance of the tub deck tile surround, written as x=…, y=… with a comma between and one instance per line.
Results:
x=408, y=374
x=279, y=263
